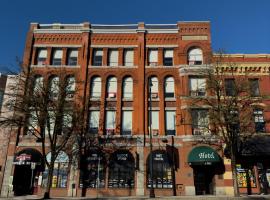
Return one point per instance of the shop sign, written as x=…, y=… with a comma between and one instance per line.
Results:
x=159, y=157
x=203, y=155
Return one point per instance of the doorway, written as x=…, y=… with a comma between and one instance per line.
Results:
x=203, y=180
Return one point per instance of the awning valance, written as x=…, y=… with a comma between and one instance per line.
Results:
x=203, y=155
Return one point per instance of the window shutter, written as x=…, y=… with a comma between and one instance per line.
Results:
x=42, y=53
x=58, y=54
x=168, y=53
x=170, y=120
x=153, y=56
x=129, y=57
x=94, y=119
x=127, y=121
x=128, y=88
x=110, y=119
x=113, y=57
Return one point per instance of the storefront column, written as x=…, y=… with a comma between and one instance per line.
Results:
x=6, y=190
x=140, y=172
x=72, y=191
x=228, y=181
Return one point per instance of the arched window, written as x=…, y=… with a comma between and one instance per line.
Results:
x=60, y=171
x=96, y=87
x=121, y=170
x=128, y=88
x=162, y=170
x=169, y=87
x=195, y=56
x=112, y=87
x=38, y=84
x=153, y=84
x=70, y=87
x=54, y=86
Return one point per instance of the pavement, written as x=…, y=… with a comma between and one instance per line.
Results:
x=205, y=197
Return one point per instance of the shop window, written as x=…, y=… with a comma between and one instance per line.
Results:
x=54, y=87
x=200, y=122
x=153, y=118
x=97, y=57
x=112, y=87
x=72, y=57
x=169, y=87
x=94, y=121
x=230, y=87
x=57, y=57
x=128, y=57
x=110, y=123
x=128, y=88
x=245, y=177
x=70, y=87
x=259, y=120
x=152, y=57
x=195, y=57
x=126, y=122
x=170, y=122
x=254, y=87
x=121, y=170
x=60, y=171
x=168, y=57
x=197, y=86
x=96, y=87
x=41, y=56
x=162, y=170
x=113, y=57
x=153, y=85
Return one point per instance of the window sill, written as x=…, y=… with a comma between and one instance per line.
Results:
x=127, y=99
x=111, y=99
x=156, y=99
x=57, y=66
x=95, y=99
x=170, y=99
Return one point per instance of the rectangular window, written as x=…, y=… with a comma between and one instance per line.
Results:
x=230, y=87
x=126, y=122
x=152, y=57
x=170, y=122
x=97, y=57
x=57, y=57
x=113, y=57
x=42, y=56
x=200, y=124
x=155, y=121
x=94, y=122
x=259, y=120
x=197, y=86
x=32, y=123
x=129, y=57
x=72, y=57
x=110, y=122
x=254, y=87
x=168, y=57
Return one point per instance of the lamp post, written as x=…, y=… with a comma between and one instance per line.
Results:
x=152, y=192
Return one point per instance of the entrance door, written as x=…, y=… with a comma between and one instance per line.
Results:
x=203, y=180
x=23, y=180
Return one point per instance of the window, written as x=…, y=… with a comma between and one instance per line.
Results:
x=113, y=57
x=233, y=120
x=42, y=56
x=152, y=57
x=154, y=123
x=162, y=170
x=128, y=88
x=254, y=87
x=195, y=57
x=94, y=121
x=169, y=87
x=32, y=122
x=168, y=57
x=67, y=122
x=50, y=123
x=128, y=57
x=200, y=124
x=60, y=171
x=170, y=122
x=126, y=122
x=70, y=88
x=72, y=57
x=96, y=87
x=121, y=170
x=97, y=57
x=111, y=87
x=110, y=123
x=259, y=120
x=153, y=85
x=54, y=87
x=57, y=57
x=197, y=86
x=38, y=85
x=230, y=87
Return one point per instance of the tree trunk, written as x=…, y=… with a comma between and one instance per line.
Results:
x=234, y=173
x=49, y=182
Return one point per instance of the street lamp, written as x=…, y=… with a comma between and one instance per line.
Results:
x=152, y=192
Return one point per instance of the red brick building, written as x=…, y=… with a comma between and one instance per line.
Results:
x=112, y=66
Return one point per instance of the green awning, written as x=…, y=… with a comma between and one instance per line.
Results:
x=203, y=155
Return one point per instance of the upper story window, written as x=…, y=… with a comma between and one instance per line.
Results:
x=197, y=86
x=195, y=57
x=54, y=87
x=112, y=87
x=126, y=122
x=128, y=57
x=110, y=123
x=128, y=88
x=38, y=84
x=97, y=57
x=70, y=88
x=259, y=120
x=72, y=57
x=169, y=87
x=41, y=56
x=94, y=121
x=96, y=87
x=200, y=121
x=153, y=119
x=153, y=85
x=152, y=57
x=57, y=57
x=254, y=87
x=168, y=57
x=170, y=122
x=113, y=57
x=230, y=87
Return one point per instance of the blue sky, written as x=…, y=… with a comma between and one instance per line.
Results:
x=238, y=26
